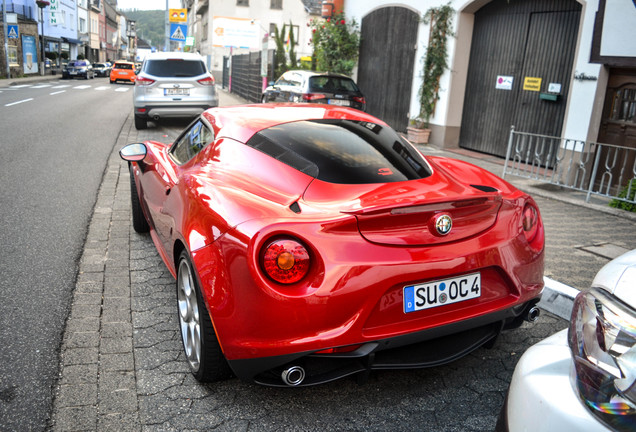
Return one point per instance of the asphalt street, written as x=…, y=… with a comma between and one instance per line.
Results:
x=55, y=138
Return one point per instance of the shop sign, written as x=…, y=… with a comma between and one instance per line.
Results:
x=504, y=82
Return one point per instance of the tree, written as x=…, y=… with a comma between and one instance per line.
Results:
x=280, y=61
x=293, y=62
x=336, y=44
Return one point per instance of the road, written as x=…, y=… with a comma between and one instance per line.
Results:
x=56, y=137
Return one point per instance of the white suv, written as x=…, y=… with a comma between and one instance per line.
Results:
x=172, y=85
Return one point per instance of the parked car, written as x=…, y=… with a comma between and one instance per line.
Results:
x=78, y=69
x=312, y=244
x=123, y=71
x=584, y=377
x=172, y=85
x=102, y=69
x=305, y=86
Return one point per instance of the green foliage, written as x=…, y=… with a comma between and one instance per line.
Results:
x=293, y=62
x=280, y=61
x=151, y=25
x=81, y=57
x=336, y=44
x=435, y=58
x=631, y=189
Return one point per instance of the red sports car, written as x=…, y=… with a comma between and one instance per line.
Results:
x=312, y=242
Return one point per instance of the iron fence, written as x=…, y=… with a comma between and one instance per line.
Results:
x=593, y=168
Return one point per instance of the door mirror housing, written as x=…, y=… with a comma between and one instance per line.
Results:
x=133, y=152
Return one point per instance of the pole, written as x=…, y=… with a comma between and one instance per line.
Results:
x=42, y=42
x=5, y=36
x=167, y=42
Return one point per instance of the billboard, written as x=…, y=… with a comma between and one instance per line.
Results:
x=236, y=32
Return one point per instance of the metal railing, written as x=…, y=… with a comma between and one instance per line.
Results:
x=593, y=168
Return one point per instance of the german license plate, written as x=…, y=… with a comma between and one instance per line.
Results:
x=176, y=92
x=72, y=72
x=442, y=292
x=339, y=102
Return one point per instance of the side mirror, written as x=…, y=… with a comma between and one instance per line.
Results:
x=133, y=152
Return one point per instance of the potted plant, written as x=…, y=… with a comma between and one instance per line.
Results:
x=435, y=63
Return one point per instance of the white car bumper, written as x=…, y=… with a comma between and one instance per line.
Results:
x=541, y=396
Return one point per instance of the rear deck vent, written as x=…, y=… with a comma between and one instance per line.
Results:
x=485, y=188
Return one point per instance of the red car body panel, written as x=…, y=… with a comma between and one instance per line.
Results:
x=366, y=241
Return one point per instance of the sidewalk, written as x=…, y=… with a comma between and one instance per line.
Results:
x=121, y=361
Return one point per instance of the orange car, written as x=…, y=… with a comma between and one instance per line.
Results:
x=123, y=71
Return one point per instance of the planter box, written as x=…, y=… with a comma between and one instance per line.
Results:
x=418, y=136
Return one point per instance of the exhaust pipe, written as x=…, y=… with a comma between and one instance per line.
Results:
x=533, y=314
x=293, y=376
x=155, y=117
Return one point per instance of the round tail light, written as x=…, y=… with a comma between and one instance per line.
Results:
x=285, y=261
x=530, y=222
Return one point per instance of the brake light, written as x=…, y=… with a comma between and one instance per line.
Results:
x=143, y=81
x=532, y=227
x=313, y=96
x=360, y=99
x=286, y=261
x=206, y=81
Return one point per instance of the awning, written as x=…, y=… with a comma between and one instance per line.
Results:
x=71, y=40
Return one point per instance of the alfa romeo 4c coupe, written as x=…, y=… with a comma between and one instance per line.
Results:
x=312, y=242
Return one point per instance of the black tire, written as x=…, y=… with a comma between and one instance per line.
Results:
x=112, y=82
x=200, y=344
x=140, y=123
x=140, y=224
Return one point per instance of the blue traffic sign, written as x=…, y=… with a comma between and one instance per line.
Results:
x=12, y=31
x=178, y=32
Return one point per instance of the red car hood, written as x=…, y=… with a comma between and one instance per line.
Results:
x=406, y=213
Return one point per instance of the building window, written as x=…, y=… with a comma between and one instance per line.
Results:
x=82, y=25
x=242, y=2
x=13, y=55
x=276, y=4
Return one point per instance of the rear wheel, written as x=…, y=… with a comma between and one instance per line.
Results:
x=140, y=123
x=202, y=350
x=140, y=224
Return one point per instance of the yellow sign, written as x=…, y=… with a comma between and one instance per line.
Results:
x=532, y=84
x=178, y=15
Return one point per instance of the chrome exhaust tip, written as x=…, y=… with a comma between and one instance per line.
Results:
x=155, y=118
x=293, y=376
x=533, y=314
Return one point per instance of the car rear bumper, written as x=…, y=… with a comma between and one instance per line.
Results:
x=541, y=396
x=159, y=112
x=428, y=348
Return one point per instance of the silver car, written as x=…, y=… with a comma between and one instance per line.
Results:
x=584, y=377
x=172, y=85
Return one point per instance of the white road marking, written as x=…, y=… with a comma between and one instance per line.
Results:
x=101, y=88
x=21, y=85
x=42, y=86
x=122, y=89
x=57, y=92
x=19, y=102
x=82, y=87
x=62, y=86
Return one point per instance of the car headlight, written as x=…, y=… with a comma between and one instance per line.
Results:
x=602, y=338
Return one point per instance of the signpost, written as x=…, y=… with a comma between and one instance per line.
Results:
x=178, y=32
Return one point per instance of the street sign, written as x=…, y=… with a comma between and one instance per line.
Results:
x=178, y=32
x=12, y=31
x=178, y=15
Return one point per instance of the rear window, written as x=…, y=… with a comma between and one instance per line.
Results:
x=175, y=68
x=123, y=66
x=331, y=84
x=342, y=151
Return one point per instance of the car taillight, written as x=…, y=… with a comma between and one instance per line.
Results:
x=360, y=99
x=532, y=228
x=313, y=96
x=143, y=81
x=206, y=81
x=286, y=261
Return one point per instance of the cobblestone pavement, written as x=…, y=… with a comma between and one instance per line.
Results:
x=122, y=366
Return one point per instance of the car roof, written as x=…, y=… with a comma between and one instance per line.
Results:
x=307, y=73
x=241, y=122
x=123, y=62
x=173, y=55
